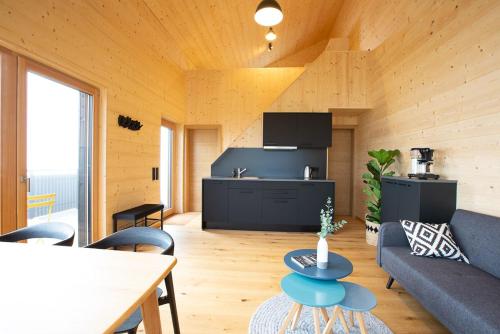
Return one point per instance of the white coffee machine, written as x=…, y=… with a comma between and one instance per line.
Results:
x=421, y=162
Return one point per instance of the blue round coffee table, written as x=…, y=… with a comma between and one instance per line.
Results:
x=338, y=266
x=314, y=293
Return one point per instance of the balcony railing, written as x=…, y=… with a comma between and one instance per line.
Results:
x=65, y=186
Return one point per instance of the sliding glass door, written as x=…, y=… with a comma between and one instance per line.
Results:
x=55, y=150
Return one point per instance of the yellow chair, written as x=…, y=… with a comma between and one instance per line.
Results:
x=38, y=201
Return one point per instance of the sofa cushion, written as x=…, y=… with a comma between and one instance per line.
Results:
x=478, y=236
x=432, y=240
x=463, y=297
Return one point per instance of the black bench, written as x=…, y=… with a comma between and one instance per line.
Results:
x=138, y=214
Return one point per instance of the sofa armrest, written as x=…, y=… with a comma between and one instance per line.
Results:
x=391, y=234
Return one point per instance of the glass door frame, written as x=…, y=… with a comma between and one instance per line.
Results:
x=167, y=124
x=25, y=65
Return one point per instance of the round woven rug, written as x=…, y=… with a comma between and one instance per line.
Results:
x=270, y=315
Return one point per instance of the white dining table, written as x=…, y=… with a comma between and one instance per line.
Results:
x=55, y=289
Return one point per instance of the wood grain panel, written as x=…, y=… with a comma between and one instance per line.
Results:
x=340, y=168
x=222, y=34
x=202, y=150
x=109, y=45
x=435, y=78
x=8, y=135
x=234, y=98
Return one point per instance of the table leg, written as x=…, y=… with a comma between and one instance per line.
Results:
x=296, y=317
x=324, y=313
x=317, y=329
x=351, y=317
x=288, y=318
x=361, y=323
x=151, y=314
x=342, y=319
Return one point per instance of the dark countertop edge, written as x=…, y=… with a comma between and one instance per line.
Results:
x=406, y=178
x=264, y=179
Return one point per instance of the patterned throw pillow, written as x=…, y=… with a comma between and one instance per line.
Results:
x=433, y=240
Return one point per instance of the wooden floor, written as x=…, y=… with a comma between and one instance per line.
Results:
x=222, y=277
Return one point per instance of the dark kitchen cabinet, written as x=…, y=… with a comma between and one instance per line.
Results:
x=244, y=206
x=214, y=202
x=428, y=201
x=314, y=130
x=280, y=129
x=302, y=130
x=268, y=205
x=279, y=211
x=312, y=198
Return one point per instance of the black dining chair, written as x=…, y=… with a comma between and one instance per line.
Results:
x=134, y=236
x=61, y=231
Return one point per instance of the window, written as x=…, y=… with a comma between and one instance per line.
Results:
x=166, y=164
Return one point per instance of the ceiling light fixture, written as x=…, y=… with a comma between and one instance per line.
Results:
x=268, y=13
x=271, y=36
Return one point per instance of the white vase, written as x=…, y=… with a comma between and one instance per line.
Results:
x=372, y=233
x=322, y=254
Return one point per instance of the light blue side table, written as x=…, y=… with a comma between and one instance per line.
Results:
x=357, y=300
x=317, y=294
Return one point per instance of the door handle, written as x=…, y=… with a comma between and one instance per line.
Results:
x=25, y=179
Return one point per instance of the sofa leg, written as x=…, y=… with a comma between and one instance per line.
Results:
x=389, y=282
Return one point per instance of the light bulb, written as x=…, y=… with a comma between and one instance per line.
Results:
x=268, y=13
x=270, y=36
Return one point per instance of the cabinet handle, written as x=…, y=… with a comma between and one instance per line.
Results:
x=281, y=201
x=308, y=184
x=246, y=191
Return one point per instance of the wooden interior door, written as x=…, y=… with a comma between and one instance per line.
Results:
x=340, y=169
x=202, y=149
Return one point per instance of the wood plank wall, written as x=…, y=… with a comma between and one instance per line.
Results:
x=435, y=81
x=108, y=45
x=234, y=98
x=336, y=79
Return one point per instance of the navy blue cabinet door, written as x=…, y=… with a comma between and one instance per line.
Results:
x=279, y=211
x=215, y=201
x=390, y=201
x=314, y=130
x=280, y=129
x=312, y=198
x=244, y=206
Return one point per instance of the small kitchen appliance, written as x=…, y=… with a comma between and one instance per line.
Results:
x=421, y=162
x=309, y=172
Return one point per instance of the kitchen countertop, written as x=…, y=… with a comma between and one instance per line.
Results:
x=252, y=178
x=405, y=178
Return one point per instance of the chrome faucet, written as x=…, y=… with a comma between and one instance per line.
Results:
x=239, y=172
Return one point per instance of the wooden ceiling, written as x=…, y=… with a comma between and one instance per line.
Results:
x=221, y=34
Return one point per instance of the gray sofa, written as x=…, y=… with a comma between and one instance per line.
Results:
x=465, y=298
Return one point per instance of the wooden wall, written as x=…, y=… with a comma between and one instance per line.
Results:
x=106, y=44
x=435, y=81
x=234, y=99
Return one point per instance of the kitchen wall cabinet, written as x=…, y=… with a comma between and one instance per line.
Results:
x=302, y=130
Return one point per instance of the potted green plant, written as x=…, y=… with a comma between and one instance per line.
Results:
x=377, y=167
x=327, y=227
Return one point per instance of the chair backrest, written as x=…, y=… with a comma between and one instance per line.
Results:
x=38, y=201
x=478, y=237
x=137, y=236
x=61, y=231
